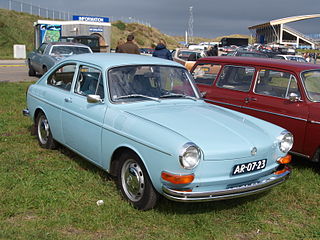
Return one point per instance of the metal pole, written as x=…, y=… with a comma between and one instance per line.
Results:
x=21, y=7
x=10, y=5
x=39, y=11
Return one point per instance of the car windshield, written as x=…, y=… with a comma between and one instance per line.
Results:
x=68, y=50
x=136, y=83
x=311, y=80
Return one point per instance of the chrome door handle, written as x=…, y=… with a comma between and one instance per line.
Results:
x=68, y=100
x=247, y=99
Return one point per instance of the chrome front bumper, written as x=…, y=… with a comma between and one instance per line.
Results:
x=235, y=192
x=25, y=112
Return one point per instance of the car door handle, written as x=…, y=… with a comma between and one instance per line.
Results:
x=68, y=100
x=247, y=99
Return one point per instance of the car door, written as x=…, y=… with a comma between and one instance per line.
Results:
x=82, y=121
x=36, y=59
x=270, y=100
x=59, y=80
x=231, y=88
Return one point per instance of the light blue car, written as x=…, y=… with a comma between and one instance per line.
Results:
x=142, y=120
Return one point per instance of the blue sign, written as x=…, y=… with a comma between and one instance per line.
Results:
x=90, y=19
x=95, y=29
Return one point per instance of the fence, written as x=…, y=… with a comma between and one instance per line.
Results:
x=55, y=14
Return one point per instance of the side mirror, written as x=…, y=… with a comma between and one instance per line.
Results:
x=293, y=97
x=94, y=98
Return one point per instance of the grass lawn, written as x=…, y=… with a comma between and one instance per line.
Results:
x=47, y=194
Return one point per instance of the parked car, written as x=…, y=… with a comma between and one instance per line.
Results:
x=42, y=59
x=285, y=93
x=91, y=41
x=187, y=57
x=142, y=120
x=296, y=58
x=147, y=51
x=247, y=54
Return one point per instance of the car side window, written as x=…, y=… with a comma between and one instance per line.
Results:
x=89, y=81
x=42, y=48
x=62, y=77
x=236, y=78
x=276, y=83
x=206, y=73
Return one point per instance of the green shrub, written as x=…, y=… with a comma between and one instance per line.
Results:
x=140, y=41
x=120, y=25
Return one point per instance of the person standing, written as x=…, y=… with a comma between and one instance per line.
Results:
x=161, y=51
x=120, y=42
x=129, y=46
x=213, y=51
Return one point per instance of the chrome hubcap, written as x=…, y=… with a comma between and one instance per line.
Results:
x=132, y=180
x=43, y=130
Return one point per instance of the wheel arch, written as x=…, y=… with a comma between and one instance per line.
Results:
x=114, y=163
x=316, y=155
x=44, y=67
x=36, y=113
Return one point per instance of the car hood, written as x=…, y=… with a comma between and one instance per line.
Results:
x=219, y=132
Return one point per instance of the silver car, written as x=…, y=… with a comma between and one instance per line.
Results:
x=42, y=59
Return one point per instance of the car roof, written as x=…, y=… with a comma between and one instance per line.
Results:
x=66, y=44
x=263, y=62
x=189, y=50
x=107, y=60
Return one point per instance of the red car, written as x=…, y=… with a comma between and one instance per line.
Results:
x=285, y=93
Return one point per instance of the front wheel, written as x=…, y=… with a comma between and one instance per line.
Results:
x=43, y=132
x=31, y=71
x=134, y=182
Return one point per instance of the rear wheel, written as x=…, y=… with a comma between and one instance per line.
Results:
x=43, y=132
x=134, y=182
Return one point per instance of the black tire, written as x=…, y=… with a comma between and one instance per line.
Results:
x=31, y=71
x=43, y=132
x=134, y=182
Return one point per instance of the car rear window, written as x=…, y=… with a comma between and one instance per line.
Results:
x=69, y=50
x=311, y=81
x=276, y=83
x=62, y=77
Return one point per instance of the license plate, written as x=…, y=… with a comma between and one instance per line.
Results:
x=249, y=167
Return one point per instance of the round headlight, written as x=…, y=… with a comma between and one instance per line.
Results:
x=189, y=156
x=285, y=141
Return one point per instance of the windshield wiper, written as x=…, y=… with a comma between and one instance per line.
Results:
x=137, y=96
x=174, y=95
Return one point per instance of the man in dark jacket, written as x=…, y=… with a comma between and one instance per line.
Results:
x=213, y=51
x=129, y=46
x=161, y=51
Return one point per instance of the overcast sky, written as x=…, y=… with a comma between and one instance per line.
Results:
x=211, y=18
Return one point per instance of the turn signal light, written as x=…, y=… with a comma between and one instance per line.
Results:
x=285, y=160
x=282, y=171
x=177, y=179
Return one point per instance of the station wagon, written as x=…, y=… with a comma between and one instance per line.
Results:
x=285, y=93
